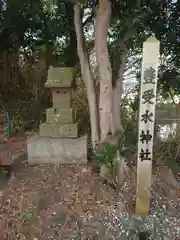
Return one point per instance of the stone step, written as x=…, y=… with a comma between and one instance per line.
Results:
x=64, y=116
x=58, y=130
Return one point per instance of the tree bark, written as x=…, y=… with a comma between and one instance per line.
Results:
x=87, y=75
x=118, y=91
x=106, y=90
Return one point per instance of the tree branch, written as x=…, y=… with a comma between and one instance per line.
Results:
x=87, y=74
x=121, y=44
x=81, y=43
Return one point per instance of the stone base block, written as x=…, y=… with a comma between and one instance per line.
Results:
x=58, y=130
x=62, y=116
x=42, y=150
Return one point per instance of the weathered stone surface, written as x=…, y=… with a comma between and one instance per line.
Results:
x=59, y=151
x=59, y=130
x=60, y=77
x=62, y=98
x=60, y=116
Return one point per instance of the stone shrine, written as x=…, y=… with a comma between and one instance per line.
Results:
x=60, y=119
x=58, y=141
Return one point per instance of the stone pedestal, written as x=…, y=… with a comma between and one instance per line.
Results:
x=58, y=140
x=57, y=150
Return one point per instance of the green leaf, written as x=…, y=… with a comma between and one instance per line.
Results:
x=27, y=214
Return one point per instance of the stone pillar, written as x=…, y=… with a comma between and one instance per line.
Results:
x=58, y=140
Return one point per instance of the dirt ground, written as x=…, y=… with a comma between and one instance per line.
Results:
x=68, y=202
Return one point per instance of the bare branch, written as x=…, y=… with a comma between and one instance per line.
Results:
x=87, y=74
x=81, y=44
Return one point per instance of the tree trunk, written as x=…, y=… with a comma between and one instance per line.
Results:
x=106, y=90
x=87, y=75
x=117, y=95
x=177, y=122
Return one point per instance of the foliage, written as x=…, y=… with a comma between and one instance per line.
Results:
x=129, y=119
x=32, y=22
x=168, y=34
x=168, y=152
x=106, y=152
x=105, y=159
x=20, y=119
x=81, y=106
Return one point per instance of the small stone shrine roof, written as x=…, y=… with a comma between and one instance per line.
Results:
x=60, y=77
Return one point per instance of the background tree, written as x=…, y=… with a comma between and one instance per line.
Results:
x=120, y=27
